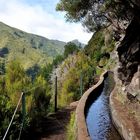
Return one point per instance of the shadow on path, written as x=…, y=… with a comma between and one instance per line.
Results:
x=51, y=128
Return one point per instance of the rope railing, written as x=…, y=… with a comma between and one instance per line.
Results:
x=22, y=97
x=13, y=116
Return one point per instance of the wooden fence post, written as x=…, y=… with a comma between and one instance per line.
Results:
x=55, y=97
x=23, y=109
x=81, y=83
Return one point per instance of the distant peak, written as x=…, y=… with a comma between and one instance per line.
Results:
x=78, y=43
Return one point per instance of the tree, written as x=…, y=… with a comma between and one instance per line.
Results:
x=11, y=85
x=2, y=67
x=95, y=14
x=41, y=98
x=16, y=79
x=69, y=74
x=70, y=48
x=57, y=60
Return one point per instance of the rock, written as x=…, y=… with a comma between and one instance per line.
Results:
x=123, y=88
x=138, y=97
x=129, y=52
x=74, y=104
x=134, y=87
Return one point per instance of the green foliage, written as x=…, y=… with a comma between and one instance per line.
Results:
x=99, y=48
x=58, y=60
x=103, y=62
x=37, y=94
x=40, y=103
x=111, y=46
x=46, y=71
x=71, y=135
x=2, y=66
x=96, y=14
x=15, y=79
x=70, y=71
x=95, y=44
x=70, y=48
x=40, y=97
x=35, y=55
x=33, y=71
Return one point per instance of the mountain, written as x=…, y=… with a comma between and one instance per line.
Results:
x=76, y=42
x=28, y=48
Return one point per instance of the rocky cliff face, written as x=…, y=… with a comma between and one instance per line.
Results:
x=125, y=98
x=134, y=87
x=129, y=56
x=129, y=52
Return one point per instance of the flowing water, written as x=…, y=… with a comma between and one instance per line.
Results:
x=98, y=117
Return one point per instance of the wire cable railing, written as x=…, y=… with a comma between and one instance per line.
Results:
x=13, y=116
x=22, y=98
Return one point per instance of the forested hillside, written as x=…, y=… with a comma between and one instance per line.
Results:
x=29, y=49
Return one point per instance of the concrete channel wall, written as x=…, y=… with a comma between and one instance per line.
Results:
x=122, y=123
x=126, y=131
x=81, y=127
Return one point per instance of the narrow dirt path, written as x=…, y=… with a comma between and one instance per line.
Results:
x=52, y=127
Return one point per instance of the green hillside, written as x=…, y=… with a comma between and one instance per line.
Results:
x=29, y=49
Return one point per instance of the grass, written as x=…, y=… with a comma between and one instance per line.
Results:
x=71, y=133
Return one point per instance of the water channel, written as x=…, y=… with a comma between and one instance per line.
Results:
x=98, y=119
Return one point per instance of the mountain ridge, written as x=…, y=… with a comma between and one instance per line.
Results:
x=29, y=49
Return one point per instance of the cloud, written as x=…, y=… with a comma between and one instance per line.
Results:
x=36, y=19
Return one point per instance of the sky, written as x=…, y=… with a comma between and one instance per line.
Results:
x=39, y=17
